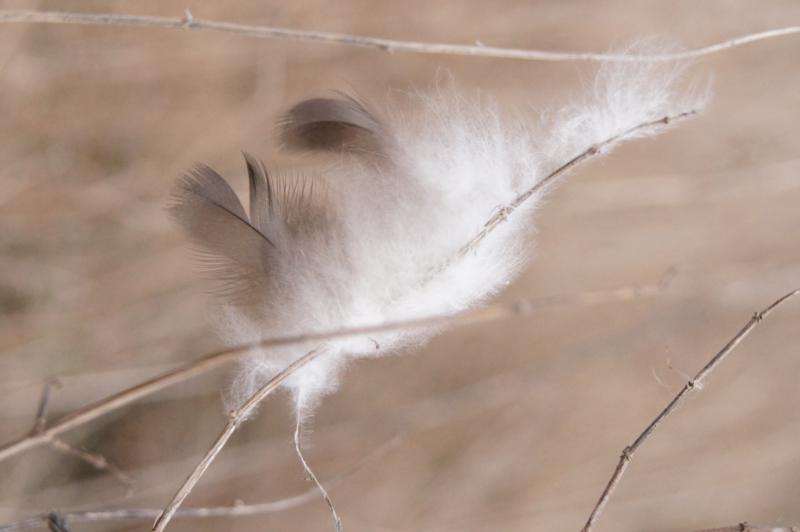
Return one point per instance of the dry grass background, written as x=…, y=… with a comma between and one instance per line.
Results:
x=511, y=426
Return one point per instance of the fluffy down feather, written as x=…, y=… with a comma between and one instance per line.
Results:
x=364, y=241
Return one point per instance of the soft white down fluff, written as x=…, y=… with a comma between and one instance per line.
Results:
x=373, y=236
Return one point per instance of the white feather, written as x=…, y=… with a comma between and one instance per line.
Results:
x=369, y=244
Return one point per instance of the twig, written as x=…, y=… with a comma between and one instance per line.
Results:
x=237, y=510
x=299, y=450
x=41, y=410
x=235, y=418
x=422, y=416
x=188, y=22
x=502, y=214
x=95, y=460
x=131, y=514
x=746, y=527
x=219, y=358
x=98, y=461
x=695, y=383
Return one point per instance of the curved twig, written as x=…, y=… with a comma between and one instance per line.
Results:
x=236, y=510
x=691, y=384
x=96, y=460
x=188, y=22
x=220, y=358
x=746, y=527
x=235, y=418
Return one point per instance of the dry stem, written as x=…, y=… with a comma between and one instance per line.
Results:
x=695, y=383
x=235, y=418
x=188, y=22
x=217, y=359
x=746, y=527
x=502, y=214
x=96, y=460
x=313, y=476
x=237, y=510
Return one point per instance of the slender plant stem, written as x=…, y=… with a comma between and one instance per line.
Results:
x=693, y=384
x=41, y=411
x=96, y=460
x=217, y=359
x=235, y=418
x=236, y=510
x=97, y=409
x=188, y=22
x=502, y=214
x=746, y=527
x=313, y=476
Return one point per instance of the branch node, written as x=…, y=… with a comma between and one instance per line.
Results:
x=188, y=20
x=627, y=452
x=55, y=522
x=499, y=215
x=712, y=364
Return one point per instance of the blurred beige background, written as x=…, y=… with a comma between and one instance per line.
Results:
x=513, y=426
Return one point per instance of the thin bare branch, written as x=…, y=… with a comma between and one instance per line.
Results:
x=188, y=22
x=693, y=384
x=95, y=460
x=235, y=418
x=502, y=214
x=746, y=527
x=423, y=415
x=95, y=410
x=313, y=476
x=41, y=410
x=220, y=358
x=236, y=510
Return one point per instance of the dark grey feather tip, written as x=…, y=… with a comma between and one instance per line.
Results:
x=333, y=124
x=231, y=247
x=261, y=193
